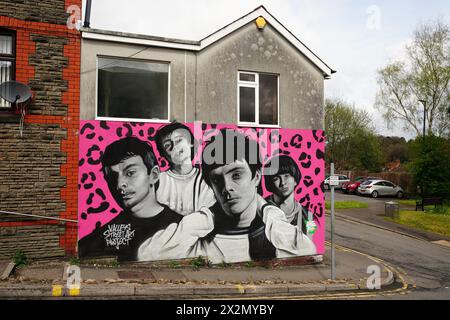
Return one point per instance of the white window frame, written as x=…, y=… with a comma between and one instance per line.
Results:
x=152, y=120
x=12, y=58
x=255, y=85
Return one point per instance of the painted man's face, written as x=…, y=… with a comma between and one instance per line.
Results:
x=284, y=185
x=131, y=181
x=234, y=187
x=177, y=146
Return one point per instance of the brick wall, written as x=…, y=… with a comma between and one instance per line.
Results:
x=39, y=171
x=49, y=11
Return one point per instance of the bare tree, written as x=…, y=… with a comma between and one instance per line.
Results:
x=425, y=75
x=350, y=136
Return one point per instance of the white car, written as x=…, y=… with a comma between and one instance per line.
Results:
x=342, y=179
x=377, y=188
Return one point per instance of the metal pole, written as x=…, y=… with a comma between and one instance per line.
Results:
x=424, y=117
x=424, y=102
x=333, y=258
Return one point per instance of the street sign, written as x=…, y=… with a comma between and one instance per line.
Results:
x=334, y=180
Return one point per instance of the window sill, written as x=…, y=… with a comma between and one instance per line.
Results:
x=132, y=120
x=9, y=117
x=254, y=125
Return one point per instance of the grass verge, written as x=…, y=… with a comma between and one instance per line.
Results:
x=425, y=221
x=346, y=205
x=407, y=202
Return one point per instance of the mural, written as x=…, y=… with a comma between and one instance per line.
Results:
x=172, y=191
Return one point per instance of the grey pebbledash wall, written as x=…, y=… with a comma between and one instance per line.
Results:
x=203, y=85
x=248, y=49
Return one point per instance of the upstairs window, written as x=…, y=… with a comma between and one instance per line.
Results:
x=7, y=61
x=258, y=102
x=132, y=89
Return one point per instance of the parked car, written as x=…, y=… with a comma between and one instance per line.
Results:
x=342, y=179
x=377, y=188
x=352, y=186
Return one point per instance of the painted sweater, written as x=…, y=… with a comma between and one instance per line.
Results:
x=184, y=193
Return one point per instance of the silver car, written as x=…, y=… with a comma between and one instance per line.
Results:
x=377, y=188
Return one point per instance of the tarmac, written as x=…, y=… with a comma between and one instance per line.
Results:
x=105, y=279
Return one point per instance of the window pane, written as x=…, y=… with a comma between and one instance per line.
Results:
x=5, y=44
x=268, y=99
x=133, y=89
x=246, y=104
x=247, y=77
x=5, y=75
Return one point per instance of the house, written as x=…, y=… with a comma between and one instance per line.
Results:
x=252, y=75
x=39, y=169
x=246, y=74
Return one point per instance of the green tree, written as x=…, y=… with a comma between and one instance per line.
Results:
x=425, y=75
x=430, y=165
x=394, y=148
x=352, y=143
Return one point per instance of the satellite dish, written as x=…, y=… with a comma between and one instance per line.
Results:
x=15, y=92
x=18, y=94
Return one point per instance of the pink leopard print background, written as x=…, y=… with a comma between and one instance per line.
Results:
x=96, y=206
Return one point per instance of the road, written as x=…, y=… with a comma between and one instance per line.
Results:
x=426, y=265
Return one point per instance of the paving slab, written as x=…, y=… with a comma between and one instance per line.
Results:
x=39, y=273
x=170, y=275
x=99, y=274
x=135, y=274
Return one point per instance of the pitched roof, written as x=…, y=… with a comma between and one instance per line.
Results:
x=261, y=11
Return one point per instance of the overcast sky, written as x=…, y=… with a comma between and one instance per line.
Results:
x=354, y=37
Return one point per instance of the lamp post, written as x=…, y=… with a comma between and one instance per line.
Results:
x=333, y=254
x=424, y=102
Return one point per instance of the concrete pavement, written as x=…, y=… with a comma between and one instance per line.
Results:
x=161, y=281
